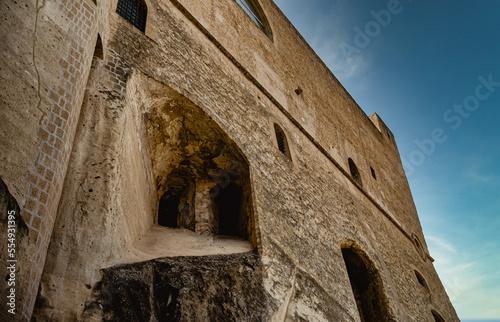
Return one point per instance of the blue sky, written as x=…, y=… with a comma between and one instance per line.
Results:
x=431, y=70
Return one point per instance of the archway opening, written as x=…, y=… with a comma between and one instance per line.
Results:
x=168, y=211
x=366, y=285
x=176, y=206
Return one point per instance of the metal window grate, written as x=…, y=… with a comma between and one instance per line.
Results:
x=281, y=139
x=134, y=11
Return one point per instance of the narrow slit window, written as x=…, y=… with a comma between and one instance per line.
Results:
x=282, y=141
x=134, y=11
x=374, y=175
x=355, y=172
x=254, y=11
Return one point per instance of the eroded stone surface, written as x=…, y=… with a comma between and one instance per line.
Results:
x=208, y=288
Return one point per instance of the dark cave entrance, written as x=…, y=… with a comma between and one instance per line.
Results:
x=228, y=209
x=366, y=286
x=216, y=206
x=176, y=206
x=168, y=211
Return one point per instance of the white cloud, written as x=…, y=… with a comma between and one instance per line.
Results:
x=475, y=176
x=329, y=33
x=440, y=244
x=469, y=283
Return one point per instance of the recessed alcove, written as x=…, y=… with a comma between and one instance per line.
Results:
x=203, y=196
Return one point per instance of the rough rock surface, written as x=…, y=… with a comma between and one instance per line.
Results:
x=205, y=288
x=23, y=251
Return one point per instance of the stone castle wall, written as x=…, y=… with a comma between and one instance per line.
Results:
x=79, y=156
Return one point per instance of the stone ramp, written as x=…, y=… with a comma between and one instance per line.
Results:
x=172, y=242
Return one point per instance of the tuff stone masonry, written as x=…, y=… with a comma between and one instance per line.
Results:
x=195, y=160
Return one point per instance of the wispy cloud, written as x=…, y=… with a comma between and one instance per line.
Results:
x=480, y=172
x=476, y=177
x=467, y=279
x=329, y=33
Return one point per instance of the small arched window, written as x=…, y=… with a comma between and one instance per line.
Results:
x=134, y=11
x=355, y=172
x=418, y=246
x=422, y=281
x=282, y=141
x=254, y=11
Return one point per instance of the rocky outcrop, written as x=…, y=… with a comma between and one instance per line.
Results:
x=202, y=288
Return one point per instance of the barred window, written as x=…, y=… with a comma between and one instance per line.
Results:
x=281, y=140
x=134, y=11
